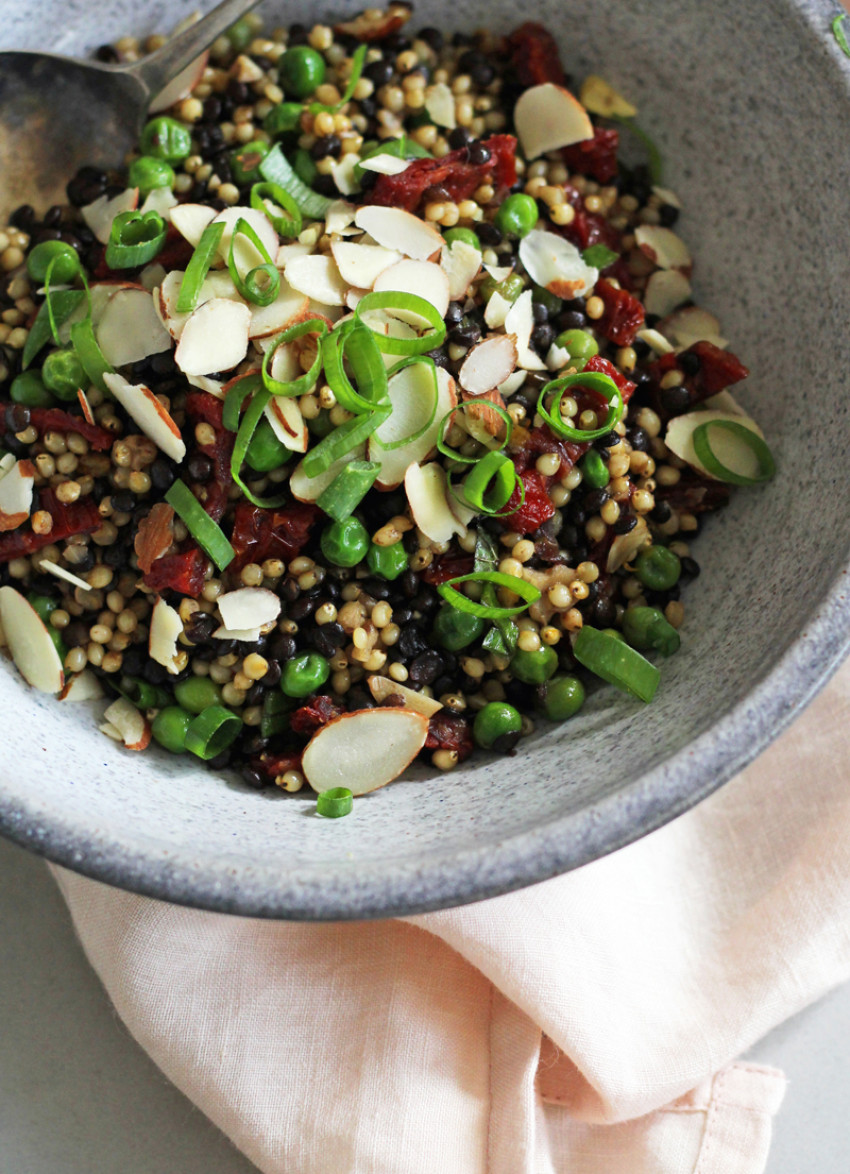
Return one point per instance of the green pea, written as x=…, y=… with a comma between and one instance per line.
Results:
x=534, y=667
x=166, y=138
x=345, y=543
x=43, y=606
x=283, y=118
x=63, y=373
x=197, y=693
x=244, y=162
x=594, y=471
x=143, y=694
x=66, y=263
x=265, y=451
x=387, y=561
x=647, y=628
x=147, y=174
x=466, y=235
x=304, y=674
x=240, y=34
x=301, y=71
x=456, y=629
x=658, y=568
x=579, y=343
x=517, y=215
x=28, y=389
x=497, y=726
x=563, y=699
x=169, y=728
x=544, y=298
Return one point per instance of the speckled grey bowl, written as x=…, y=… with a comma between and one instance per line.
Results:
x=750, y=104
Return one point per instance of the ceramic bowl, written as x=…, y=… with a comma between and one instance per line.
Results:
x=759, y=158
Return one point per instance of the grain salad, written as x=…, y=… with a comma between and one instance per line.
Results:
x=363, y=413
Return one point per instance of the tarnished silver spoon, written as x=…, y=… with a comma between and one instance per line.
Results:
x=58, y=113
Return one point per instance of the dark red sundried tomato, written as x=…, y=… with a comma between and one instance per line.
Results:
x=596, y=157
x=693, y=494
x=535, y=510
x=447, y=566
x=587, y=228
x=259, y=534
x=534, y=55
x=176, y=251
x=79, y=517
x=453, y=172
x=597, y=363
x=183, y=572
x=717, y=369
x=448, y=731
x=542, y=440
x=315, y=714
x=623, y=316
x=275, y=766
x=58, y=421
x=201, y=407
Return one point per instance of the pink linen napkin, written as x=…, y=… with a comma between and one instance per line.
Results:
x=587, y=1025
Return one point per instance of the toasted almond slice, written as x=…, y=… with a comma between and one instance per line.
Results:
x=667, y=196
x=663, y=247
x=166, y=626
x=245, y=69
x=29, y=641
x=304, y=488
x=284, y=415
x=339, y=216
x=331, y=314
x=317, y=277
x=130, y=330
x=249, y=635
x=394, y=228
x=625, y=546
x=729, y=450
x=100, y=293
x=689, y=325
x=132, y=725
x=354, y=296
x=411, y=394
x=51, y=568
x=7, y=463
x=548, y=117
x=499, y=272
x=482, y=420
x=245, y=253
x=600, y=97
x=373, y=24
x=160, y=200
x=217, y=284
x=665, y=290
x=426, y=487
x=213, y=386
x=16, y=495
x=512, y=384
x=556, y=264
x=364, y=750
x=656, y=340
x=724, y=401
x=462, y=263
x=83, y=401
x=440, y=105
x=557, y=357
x=496, y=310
x=290, y=306
x=287, y=253
x=385, y=164
x=423, y=278
x=519, y=321
x=396, y=461
x=248, y=607
x=342, y=173
x=154, y=535
x=152, y=275
x=142, y=405
x=488, y=364
x=180, y=86
x=100, y=214
x=190, y=220
x=82, y=686
x=383, y=687
x=214, y=339
x=111, y=731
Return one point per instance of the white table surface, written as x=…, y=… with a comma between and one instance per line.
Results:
x=78, y=1096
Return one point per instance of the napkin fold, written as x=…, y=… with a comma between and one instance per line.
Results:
x=586, y=1025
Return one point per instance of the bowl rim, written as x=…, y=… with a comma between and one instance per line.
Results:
x=529, y=857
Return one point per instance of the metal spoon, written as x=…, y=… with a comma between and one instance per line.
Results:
x=57, y=113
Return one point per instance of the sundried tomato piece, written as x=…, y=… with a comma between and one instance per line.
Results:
x=447, y=566
x=449, y=731
x=535, y=510
x=78, y=517
x=587, y=228
x=183, y=572
x=604, y=367
x=55, y=420
x=315, y=714
x=534, y=55
x=716, y=370
x=154, y=535
x=542, y=440
x=453, y=172
x=201, y=407
x=259, y=534
x=694, y=494
x=275, y=766
x=596, y=157
x=623, y=316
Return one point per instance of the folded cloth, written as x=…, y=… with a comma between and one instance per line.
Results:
x=587, y=1025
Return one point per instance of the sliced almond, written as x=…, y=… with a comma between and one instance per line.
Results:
x=141, y=405
x=214, y=339
x=160, y=200
x=663, y=247
x=557, y=357
x=373, y=24
x=625, y=546
x=154, y=535
x=411, y=394
x=16, y=495
x=166, y=626
x=423, y=278
x=689, y=325
x=248, y=607
x=383, y=687
x=394, y=228
x=440, y=105
x=307, y=489
x=656, y=341
x=496, y=310
x=245, y=69
x=290, y=306
x=665, y=291
x=556, y=264
x=204, y=383
x=217, y=284
x=82, y=399
x=728, y=448
x=354, y=296
x=488, y=364
x=100, y=293
x=600, y=97
x=385, y=164
x=666, y=196
x=152, y=275
x=131, y=724
x=396, y=461
x=82, y=686
x=245, y=253
x=317, y=277
x=482, y=420
x=548, y=117
x=519, y=321
x=30, y=644
x=100, y=214
x=499, y=272
x=364, y=750
x=339, y=216
x=342, y=173
x=426, y=487
x=462, y=263
x=287, y=422
x=289, y=252
x=52, y=568
x=180, y=86
x=130, y=330
x=249, y=635
x=190, y=220
x=512, y=384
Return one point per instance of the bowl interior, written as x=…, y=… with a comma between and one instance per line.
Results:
x=762, y=171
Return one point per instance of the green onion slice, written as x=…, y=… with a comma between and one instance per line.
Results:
x=445, y=424
x=616, y=662
x=592, y=381
x=343, y=439
x=90, y=354
x=275, y=719
x=247, y=427
x=654, y=160
x=599, y=256
x=348, y=488
x=58, y=305
x=337, y=801
x=303, y=384
x=839, y=33
x=276, y=168
x=410, y=361
x=751, y=440
x=286, y=225
x=207, y=533
x=485, y=611
x=502, y=637
x=252, y=289
x=403, y=305
x=135, y=239
x=235, y=398
x=489, y=486
x=198, y=267
x=212, y=731
x=357, y=62
x=354, y=341
x=142, y=694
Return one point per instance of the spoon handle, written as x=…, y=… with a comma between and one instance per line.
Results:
x=156, y=70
